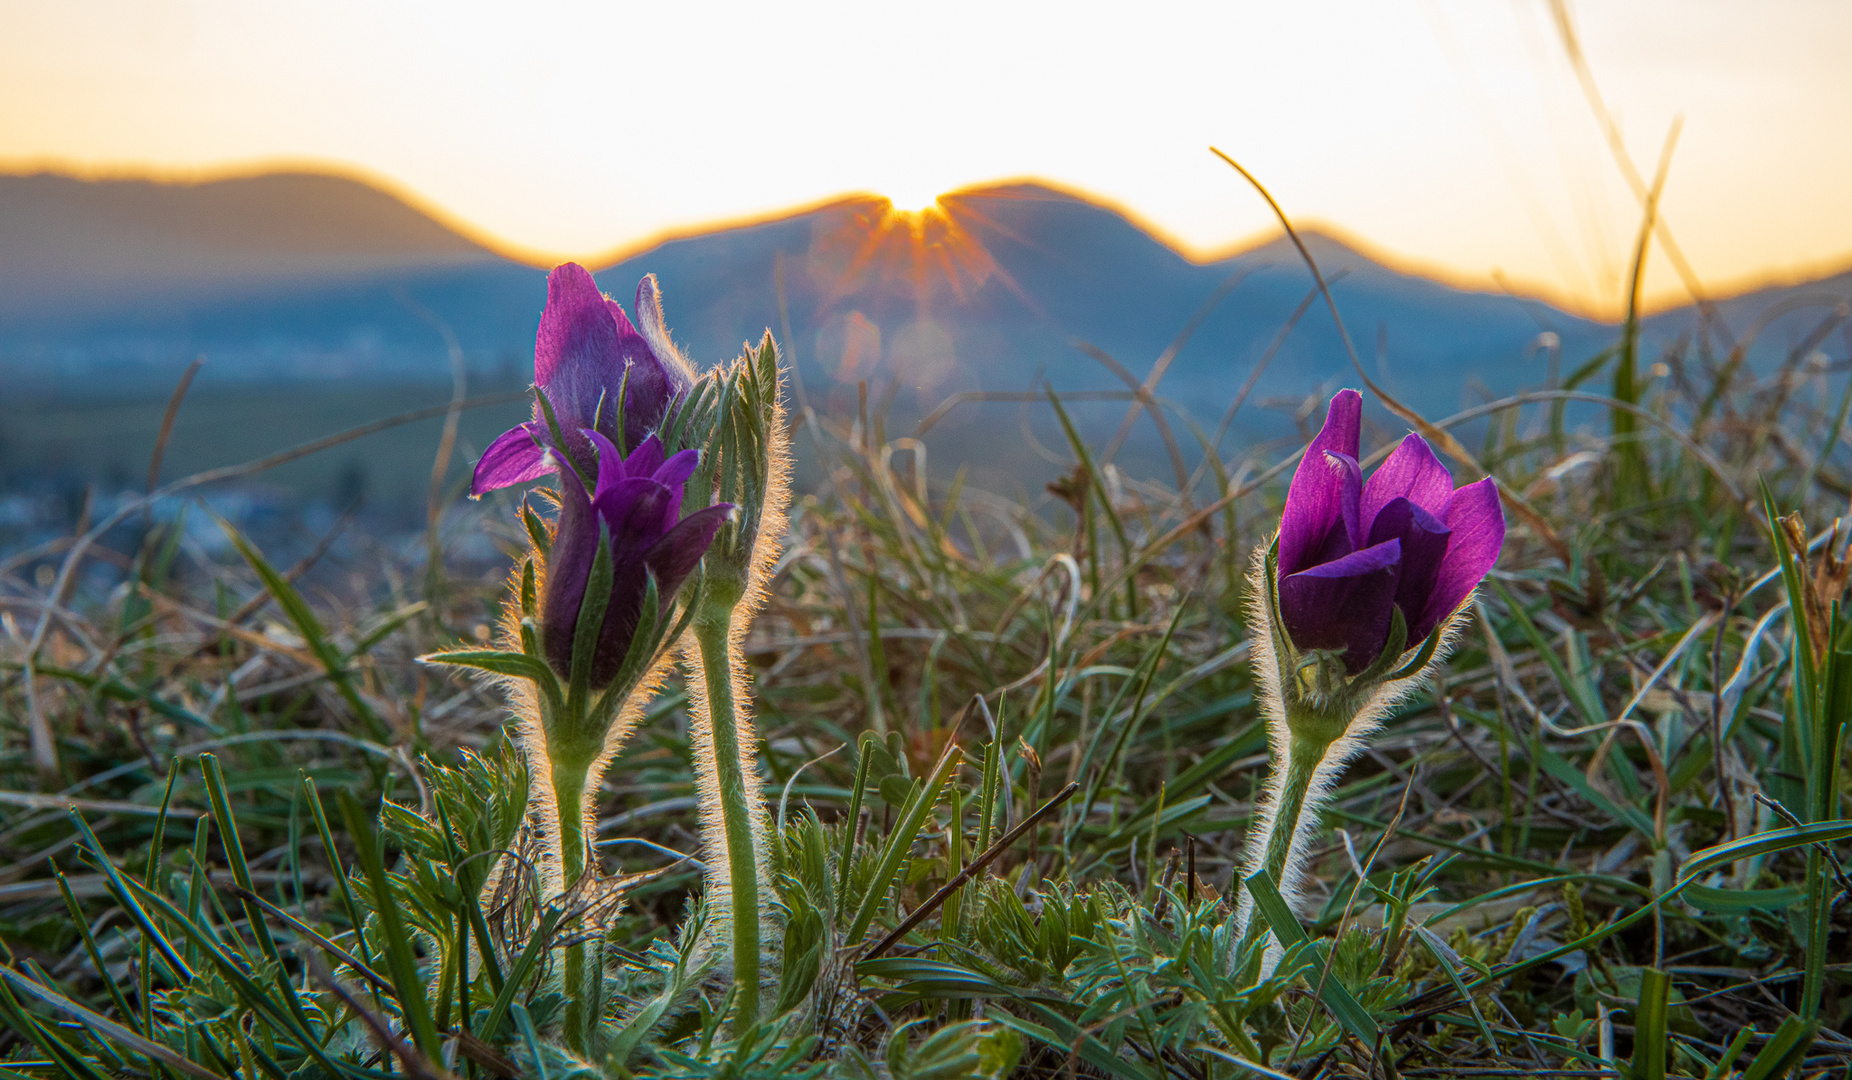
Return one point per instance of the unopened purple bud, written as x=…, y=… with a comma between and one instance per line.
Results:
x=1351, y=553
x=637, y=502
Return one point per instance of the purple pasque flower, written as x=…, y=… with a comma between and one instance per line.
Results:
x=1352, y=552
x=581, y=355
x=637, y=502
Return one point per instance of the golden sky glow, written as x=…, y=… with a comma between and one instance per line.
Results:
x=1453, y=135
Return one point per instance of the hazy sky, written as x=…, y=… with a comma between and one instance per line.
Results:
x=1453, y=135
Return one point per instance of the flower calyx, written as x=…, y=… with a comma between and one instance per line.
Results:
x=1320, y=693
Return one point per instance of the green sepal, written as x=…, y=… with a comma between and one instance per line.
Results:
x=736, y=464
x=559, y=441
x=1392, y=650
x=688, y=414
x=1428, y=648
x=536, y=531
x=500, y=662
x=623, y=396
x=1292, y=660
x=591, y=621
x=1285, y=653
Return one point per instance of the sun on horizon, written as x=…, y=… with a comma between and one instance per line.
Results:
x=913, y=199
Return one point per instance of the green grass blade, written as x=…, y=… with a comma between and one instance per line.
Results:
x=1586, y=698
x=333, y=662
x=73, y=1064
x=117, y=690
x=106, y=1027
x=90, y=946
x=233, y=847
x=1700, y=863
x=912, y=818
x=119, y=888
x=1063, y=1036
x=524, y=966
x=1445, y=958
x=341, y=881
x=252, y=995
x=1554, y=764
x=862, y=762
x=1650, y=1015
x=1784, y=1050
x=1271, y=906
x=401, y=964
x=1740, y=901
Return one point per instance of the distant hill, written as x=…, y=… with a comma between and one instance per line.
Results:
x=107, y=290
x=73, y=248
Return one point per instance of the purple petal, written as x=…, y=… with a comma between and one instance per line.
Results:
x=1347, y=535
x=1345, y=604
x=679, y=551
x=612, y=466
x=646, y=459
x=515, y=457
x=569, y=563
x=671, y=557
x=644, y=367
x=650, y=323
x=576, y=333
x=1315, y=501
x=673, y=474
x=676, y=471
x=1411, y=473
x=624, y=328
x=1350, y=497
x=634, y=510
x=658, y=375
x=1478, y=524
x=1424, y=544
x=639, y=377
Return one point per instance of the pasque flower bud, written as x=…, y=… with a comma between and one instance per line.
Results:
x=1352, y=553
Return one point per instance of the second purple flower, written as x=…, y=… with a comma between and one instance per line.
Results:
x=637, y=501
x=1352, y=553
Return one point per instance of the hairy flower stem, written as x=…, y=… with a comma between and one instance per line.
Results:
x=1288, y=787
x=713, y=632
x=1303, y=756
x=570, y=780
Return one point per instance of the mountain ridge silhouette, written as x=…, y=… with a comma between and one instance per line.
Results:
x=308, y=280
